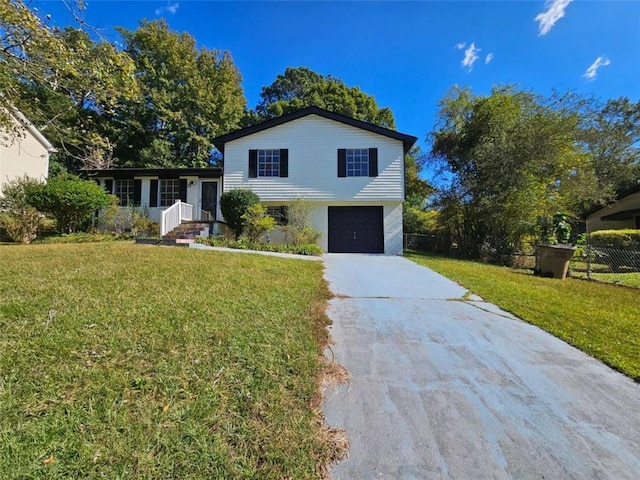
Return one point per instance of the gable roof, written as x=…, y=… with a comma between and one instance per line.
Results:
x=407, y=140
x=626, y=193
x=19, y=116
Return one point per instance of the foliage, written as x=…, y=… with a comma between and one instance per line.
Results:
x=301, y=87
x=299, y=229
x=234, y=204
x=70, y=200
x=415, y=220
x=143, y=226
x=626, y=239
x=18, y=219
x=117, y=219
x=417, y=189
x=556, y=231
x=513, y=158
x=188, y=96
x=119, y=364
x=244, y=244
x=256, y=222
x=599, y=319
x=83, y=237
x=62, y=80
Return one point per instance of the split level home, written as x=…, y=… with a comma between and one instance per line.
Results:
x=24, y=150
x=349, y=172
x=622, y=213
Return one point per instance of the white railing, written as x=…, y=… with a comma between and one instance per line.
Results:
x=206, y=216
x=173, y=216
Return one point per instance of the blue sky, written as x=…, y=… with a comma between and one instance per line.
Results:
x=406, y=54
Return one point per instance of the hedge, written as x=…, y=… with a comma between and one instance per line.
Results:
x=628, y=239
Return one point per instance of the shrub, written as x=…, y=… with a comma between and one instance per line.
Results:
x=19, y=220
x=298, y=230
x=234, y=204
x=245, y=244
x=256, y=222
x=145, y=227
x=628, y=239
x=70, y=200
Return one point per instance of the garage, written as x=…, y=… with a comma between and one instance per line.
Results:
x=356, y=230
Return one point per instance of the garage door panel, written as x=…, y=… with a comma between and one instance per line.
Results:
x=356, y=230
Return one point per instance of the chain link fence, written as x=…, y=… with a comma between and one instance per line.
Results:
x=428, y=243
x=610, y=265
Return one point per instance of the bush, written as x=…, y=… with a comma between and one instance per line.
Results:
x=234, y=204
x=83, y=237
x=415, y=220
x=257, y=222
x=245, y=244
x=628, y=239
x=298, y=230
x=145, y=227
x=70, y=200
x=19, y=221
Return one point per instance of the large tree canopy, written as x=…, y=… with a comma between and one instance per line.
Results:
x=61, y=79
x=513, y=158
x=301, y=87
x=188, y=97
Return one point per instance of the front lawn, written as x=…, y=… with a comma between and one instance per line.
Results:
x=125, y=361
x=602, y=320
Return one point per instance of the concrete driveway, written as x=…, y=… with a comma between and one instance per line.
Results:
x=444, y=387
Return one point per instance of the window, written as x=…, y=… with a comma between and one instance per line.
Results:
x=357, y=162
x=169, y=192
x=279, y=214
x=124, y=190
x=268, y=163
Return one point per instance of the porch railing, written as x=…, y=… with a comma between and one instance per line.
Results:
x=206, y=216
x=173, y=216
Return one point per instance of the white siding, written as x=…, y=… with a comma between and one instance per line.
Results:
x=23, y=156
x=313, y=143
x=629, y=202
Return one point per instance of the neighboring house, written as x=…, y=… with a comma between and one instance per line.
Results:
x=157, y=189
x=350, y=172
x=24, y=152
x=622, y=213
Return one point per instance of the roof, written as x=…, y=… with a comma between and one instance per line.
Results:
x=624, y=194
x=207, y=172
x=407, y=140
x=18, y=115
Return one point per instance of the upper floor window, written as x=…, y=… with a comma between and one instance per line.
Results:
x=124, y=190
x=269, y=163
x=357, y=162
x=169, y=192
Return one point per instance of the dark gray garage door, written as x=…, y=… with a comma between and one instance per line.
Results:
x=356, y=230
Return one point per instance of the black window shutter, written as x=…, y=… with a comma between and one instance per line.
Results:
x=137, y=192
x=373, y=162
x=108, y=185
x=153, y=194
x=183, y=189
x=284, y=162
x=342, y=162
x=284, y=212
x=253, y=163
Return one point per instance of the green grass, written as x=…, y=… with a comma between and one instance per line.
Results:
x=600, y=319
x=626, y=279
x=125, y=361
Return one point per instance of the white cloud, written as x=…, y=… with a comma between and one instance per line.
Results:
x=470, y=56
x=592, y=71
x=170, y=7
x=488, y=58
x=553, y=13
x=460, y=45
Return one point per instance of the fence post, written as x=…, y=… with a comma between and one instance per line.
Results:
x=589, y=260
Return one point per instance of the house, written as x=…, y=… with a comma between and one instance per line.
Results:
x=194, y=193
x=351, y=174
x=23, y=152
x=622, y=213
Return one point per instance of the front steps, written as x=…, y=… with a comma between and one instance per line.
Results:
x=185, y=233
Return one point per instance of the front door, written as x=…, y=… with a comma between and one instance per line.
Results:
x=209, y=197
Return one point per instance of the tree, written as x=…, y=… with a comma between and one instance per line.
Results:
x=234, y=204
x=514, y=159
x=188, y=97
x=62, y=80
x=301, y=87
x=70, y=200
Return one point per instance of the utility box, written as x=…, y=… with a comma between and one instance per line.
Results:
x=553, y=260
